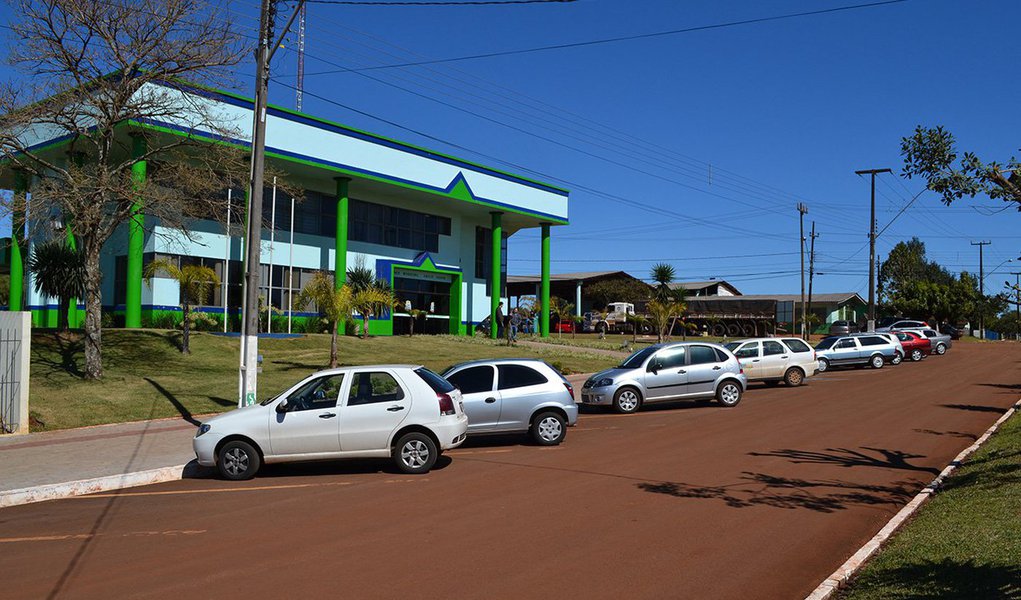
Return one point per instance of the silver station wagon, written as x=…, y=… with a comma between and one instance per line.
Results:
x=668, y=372
x=855, y=350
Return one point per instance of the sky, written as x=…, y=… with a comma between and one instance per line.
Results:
x=691, y=149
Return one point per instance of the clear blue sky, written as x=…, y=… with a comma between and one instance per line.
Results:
x=784, y=112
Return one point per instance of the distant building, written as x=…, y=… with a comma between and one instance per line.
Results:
x=570, y=286
x=713, y=287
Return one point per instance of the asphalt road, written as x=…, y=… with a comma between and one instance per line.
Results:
x=760, y=501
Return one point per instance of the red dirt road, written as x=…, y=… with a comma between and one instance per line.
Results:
x=761, y=501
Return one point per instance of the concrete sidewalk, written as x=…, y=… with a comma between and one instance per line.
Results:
x=58, y=464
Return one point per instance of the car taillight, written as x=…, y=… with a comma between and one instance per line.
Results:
x=446, y=404
x=570, y=388
x=740, y=368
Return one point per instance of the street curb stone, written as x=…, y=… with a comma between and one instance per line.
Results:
x=56, y=491
x=839, y=578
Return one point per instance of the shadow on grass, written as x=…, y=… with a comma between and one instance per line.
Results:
x=56, y=353
x=290, y=365
x=846, y=457
x=760, y=489
x=944, y=579
x=185, y=413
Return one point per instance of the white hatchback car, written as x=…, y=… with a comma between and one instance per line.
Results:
x=773, y=360
x=407, y=413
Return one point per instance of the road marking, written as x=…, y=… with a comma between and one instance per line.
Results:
x=216, y=490
x=85, y=536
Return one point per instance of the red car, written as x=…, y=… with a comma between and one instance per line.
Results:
x=916, y=347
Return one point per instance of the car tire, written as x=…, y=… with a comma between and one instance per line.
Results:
x=941, y=349
x=729, y=393
x=824, y=365
x=916, y=355
x=415, y=453
x=877, y=361
x=548, y=428
x=897, y=359
x=627, y=401
x=238, y=460
x=794, y=377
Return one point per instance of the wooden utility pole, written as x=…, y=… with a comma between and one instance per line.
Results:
x=802, y=210
x=872, y=246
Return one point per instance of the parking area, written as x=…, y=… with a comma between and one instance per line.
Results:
x=678, y=501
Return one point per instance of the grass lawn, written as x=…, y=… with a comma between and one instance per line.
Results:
x=146, y=376
x=966, y=542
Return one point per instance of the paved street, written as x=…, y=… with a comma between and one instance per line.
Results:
x=682, y=501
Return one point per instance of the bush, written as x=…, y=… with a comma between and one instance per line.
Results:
x=161, y=320
x=107, y=321
x=201, y=321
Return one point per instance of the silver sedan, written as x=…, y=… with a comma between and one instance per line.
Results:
x=668, y=372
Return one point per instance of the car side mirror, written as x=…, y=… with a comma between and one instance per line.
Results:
x=653, y=367
x=282, y=406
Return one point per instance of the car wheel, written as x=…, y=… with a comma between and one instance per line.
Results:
x=876, y=362
x=897, y=359
x=549, y=428
x=415, y=453
x=729, y=394
x=941, y=349
x=238, y=460
x=794, y=377
x=824, y=365
x=916, y=355
x=626, y=401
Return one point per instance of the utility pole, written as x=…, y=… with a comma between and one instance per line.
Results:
x=981, y=288
x=872, y=246
x=802, y=210
x=811, y=265
x=250, y=324
x=1017, y=300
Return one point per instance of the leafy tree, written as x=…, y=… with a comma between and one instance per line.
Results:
x=663, y=274
x=630, y=290
x=196, y=281
x=931, y=153
x=414, y=313
x=907, y=263
x=59, y=273
x=371, y=302
x=662, y=316
x=360, y=278
x=563, y=311
x=333, y=304
x=89, y=69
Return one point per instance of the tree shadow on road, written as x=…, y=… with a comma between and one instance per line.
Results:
x=760, y=489
x=976, y=408
x=960, y=434
x=947, y=578
x=846, y=457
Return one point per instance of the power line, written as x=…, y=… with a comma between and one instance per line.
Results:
x=432, y=3
x=624, y=38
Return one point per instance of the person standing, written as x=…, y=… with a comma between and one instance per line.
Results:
x=515, y=324
x=499, y=317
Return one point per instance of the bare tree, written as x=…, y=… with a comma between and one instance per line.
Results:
x=103, y=75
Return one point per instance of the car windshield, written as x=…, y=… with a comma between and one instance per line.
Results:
x=732, y=346
x=825, y=344
x=637, y=358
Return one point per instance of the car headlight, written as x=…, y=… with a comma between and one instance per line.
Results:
x=203, y=428
x=605, y=381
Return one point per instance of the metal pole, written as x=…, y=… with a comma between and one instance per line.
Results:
x=226, y=263
x=981, y=288
x=811, y=266
x=872, y=246
x=802, y=209
x=272, y=242
x=1017, y=285
x=290, y=274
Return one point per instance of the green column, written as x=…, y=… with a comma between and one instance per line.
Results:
x=136, y=241
x=340, y=243
x=78, y=158
x=17, y=284
x=544, y=285
x=494, y=273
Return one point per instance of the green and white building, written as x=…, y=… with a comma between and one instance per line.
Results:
x=433, y=225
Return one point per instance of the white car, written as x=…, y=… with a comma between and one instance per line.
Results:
x=773, y=360
x=407, y=413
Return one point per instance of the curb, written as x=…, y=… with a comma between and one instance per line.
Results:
x=57, y=491
x=839, y=578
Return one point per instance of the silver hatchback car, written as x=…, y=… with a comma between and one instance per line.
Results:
x=515, y=395
x=668, y=372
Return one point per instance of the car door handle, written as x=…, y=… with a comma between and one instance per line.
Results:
x=756, y=360
x=490, y=400
x=784, y=356
x=327, y=415
x=682, y=371
x=395, y=408
x=717, y=368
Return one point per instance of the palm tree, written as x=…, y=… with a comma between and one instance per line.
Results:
x=563, y=310
x=663, y=274
x=60, y=273
x=414, y=313
x=360, y=278
x=637, y=321
x=333, y=304
x=196, y=282
x=662, y=315
x=371, y=302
